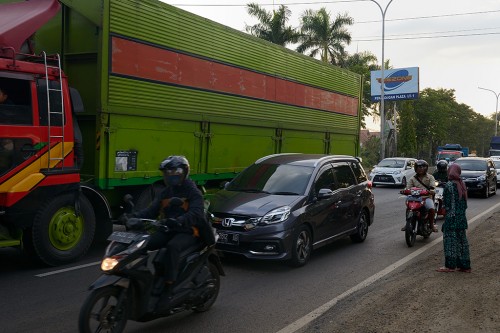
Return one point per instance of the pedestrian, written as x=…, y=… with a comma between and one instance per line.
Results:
x=4, y=97
x=456, y=246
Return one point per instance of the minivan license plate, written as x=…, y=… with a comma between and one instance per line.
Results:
x=228, y=238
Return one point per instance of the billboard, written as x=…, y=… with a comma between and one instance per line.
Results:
x=400, y=84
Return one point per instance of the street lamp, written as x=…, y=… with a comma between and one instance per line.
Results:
x=496, y=109
x=382, y=115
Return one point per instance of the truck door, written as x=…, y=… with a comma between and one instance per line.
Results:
x=18, y=135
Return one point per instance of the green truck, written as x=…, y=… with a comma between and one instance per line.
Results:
x=147, y=80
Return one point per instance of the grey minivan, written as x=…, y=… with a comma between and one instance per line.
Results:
x=283, y=206
x=479, y=175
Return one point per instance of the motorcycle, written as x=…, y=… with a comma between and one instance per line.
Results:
x=438, y=199
x=129, y=288
x=417, y=217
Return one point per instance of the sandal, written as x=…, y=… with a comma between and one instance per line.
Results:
x=464, y=270
x=445, y=269
x=434, y=228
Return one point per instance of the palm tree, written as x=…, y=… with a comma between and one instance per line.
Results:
x=272, y=26
x=320, y=35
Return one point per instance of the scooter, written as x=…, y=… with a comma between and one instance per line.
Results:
x=438, y=199
x=417, y=217
x=128, y=288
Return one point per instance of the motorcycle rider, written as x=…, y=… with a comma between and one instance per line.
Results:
x=424, y=180
x=441, y=172
x=186, y=219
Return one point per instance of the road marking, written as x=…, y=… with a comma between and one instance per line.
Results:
x=67, y=269
x=308, y=318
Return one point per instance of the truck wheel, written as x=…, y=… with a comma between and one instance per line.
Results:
x=59, y=236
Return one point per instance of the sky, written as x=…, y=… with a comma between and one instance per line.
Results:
x=455, y=43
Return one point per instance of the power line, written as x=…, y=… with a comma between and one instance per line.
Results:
x=267, y=4
x=426, y=37
x=432, y=32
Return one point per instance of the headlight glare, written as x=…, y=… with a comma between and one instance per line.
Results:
x=109, y=263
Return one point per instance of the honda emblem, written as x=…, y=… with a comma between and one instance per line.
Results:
x=227, y=222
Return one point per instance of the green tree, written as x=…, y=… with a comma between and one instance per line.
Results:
x=370, y=153
x=321, y=35
x=407, y=139
x=273, y=25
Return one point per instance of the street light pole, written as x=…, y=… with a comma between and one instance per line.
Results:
x=382, y=111
x=496, y=109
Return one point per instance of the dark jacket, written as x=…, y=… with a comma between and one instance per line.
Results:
x=190, y=214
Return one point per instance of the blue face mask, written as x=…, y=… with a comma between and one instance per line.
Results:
x=173, y=180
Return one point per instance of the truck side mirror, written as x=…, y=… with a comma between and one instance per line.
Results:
x=76, y=101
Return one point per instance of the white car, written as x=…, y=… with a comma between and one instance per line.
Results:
x=496, y=161
x=393, y=171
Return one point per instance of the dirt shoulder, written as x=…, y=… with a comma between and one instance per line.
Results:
x=418, y=299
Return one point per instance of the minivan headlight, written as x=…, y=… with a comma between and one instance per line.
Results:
x=276, y=215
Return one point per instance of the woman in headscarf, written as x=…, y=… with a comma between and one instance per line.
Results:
x=456, y=246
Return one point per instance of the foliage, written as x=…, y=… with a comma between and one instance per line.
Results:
x=323, y=36
x=272, y=26
x=370, y=152
x=436, y=119
x=363, y=63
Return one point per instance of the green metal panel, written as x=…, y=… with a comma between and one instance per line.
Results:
x=303, y=142
x=163, y=101
x=344, y=145
x=231, y=148
x=162, y=24
x=152, y=140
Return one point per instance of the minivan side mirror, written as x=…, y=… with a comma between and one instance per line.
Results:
x=324, y=193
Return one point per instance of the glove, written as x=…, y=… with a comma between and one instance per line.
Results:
x=170, y=223
x=124, y=218
x=134, y=223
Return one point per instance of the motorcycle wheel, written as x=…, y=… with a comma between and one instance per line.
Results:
x=410, y=234
x=101, y=312
x=214, y=281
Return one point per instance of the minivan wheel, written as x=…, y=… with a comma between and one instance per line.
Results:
x=301, y=247
x=361, y=229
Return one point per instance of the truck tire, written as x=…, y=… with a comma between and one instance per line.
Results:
x=59, y=236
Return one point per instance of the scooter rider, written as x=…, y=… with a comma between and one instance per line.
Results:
x=186, y=219
x=424, y=180
x=441, y=173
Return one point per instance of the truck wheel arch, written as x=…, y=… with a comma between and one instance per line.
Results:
x=102, y=211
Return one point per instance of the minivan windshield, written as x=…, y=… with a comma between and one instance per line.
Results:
x=391, y=163
x=472, y=165
x=272, y=178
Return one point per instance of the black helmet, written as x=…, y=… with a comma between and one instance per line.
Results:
x=421, y=163
x=442, y=165
x=175, y=169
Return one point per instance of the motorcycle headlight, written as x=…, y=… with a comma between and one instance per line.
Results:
x=109, y=263
x=276, y=215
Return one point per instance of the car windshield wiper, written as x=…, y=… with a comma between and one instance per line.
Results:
x=284, y=193
x=251, y=190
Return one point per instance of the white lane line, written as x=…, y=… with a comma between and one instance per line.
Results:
x=67, y=269
x=308, y=318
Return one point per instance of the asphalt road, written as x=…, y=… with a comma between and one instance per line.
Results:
x=255, y=296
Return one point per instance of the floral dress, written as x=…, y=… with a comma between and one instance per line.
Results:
x=456, y=246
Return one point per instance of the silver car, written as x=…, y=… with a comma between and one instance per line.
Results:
x=393, y=171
